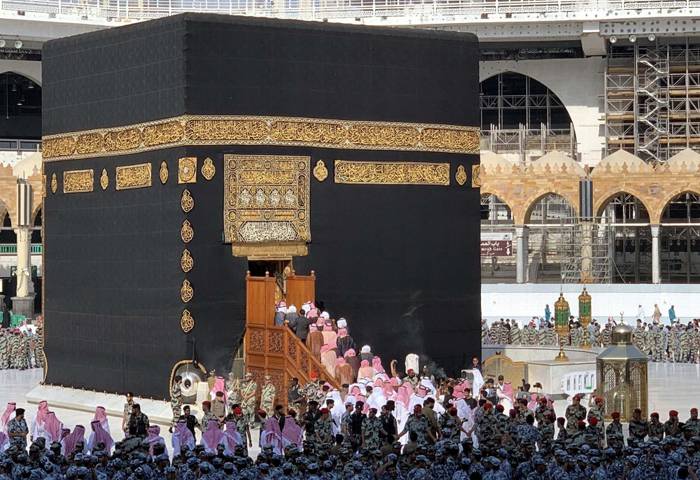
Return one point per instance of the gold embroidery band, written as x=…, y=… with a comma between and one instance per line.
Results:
x=392, y=173
x=134, y=176
x=247, y=130
x=77, y=181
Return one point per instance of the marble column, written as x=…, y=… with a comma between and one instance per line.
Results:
x=586, y=252
x=655, y=266
x=521, y=253
x=23, y=302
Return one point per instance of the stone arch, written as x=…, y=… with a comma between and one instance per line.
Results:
x=559, y=75
x=531, y=202
x=532, y=78
x=29, y=70
x=600, y=206
x=504, y=202
x=669, y=197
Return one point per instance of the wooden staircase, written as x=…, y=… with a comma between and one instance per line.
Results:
x=276, y=350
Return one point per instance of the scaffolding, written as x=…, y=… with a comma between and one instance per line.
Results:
x=652, y=99
x=584, y=248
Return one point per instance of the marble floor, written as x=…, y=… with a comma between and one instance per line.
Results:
x=671, y=387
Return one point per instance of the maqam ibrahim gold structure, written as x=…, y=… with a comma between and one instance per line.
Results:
x=584, y=315
x=622, y=375
x=561, y=325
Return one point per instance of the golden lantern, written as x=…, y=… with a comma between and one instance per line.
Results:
x=561, y=325
x=584, y=315
x=622, y=375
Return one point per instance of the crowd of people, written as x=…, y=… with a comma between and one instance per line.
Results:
x=673, y=342
x=463, y=429
x=21, y=345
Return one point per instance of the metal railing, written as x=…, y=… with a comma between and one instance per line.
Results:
x=11, y=248
x=18, y=145
x=417, y=10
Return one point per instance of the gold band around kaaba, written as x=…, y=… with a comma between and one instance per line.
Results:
x=259, y=130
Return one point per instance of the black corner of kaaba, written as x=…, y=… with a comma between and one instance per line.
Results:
x=167, y=142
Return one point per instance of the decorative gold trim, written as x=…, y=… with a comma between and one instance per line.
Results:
x=266, y=198
x=54, y=183
x=259, y=130
x=391, y=173
x=461, y=175
x=163, y=172
x=44, y=181
x=320, y=171
x=186, y=291
x=133, y=176
x=186, y=321
x=187, y=170
x=186, y=261
x=208, y=169
x=186, y=201
x=270, y=251
x=78, y=181
x=476, y=176
x=186, y=232
x=104, y=179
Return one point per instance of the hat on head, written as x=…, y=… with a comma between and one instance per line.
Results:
x=615, y=415
x=673, y=413
x=593, y=421
x=366, y=349
x=499, y=407
x=342, y=323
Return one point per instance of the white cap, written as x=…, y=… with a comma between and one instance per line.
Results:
x=366, y=349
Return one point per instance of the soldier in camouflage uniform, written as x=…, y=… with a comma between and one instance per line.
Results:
x=658, y=338
x=372, y=431
x=546, y=428
x=485, y=334
x=614, y=432
x=597, y=411
x=695, y=345
x=674, y=343
x=574, y=413
x=323, y=428
x=515, y=333
x=549, y=336
x=638, y=336
x=418, y=423
x=672, y=426
x=4, y=349
x=176, y=398
x=606, y=334
x=451, y=425
x=685, y=344
x=693, y=423
x=638, y=428
x=576, y=335
x=655, y=428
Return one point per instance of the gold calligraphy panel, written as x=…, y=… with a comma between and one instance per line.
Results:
x=266, y=199
x=134, y=176
x=259, y=130
x=77, y=181
x=391, y=173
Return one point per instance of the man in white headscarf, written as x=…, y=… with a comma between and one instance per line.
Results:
x=292, y=316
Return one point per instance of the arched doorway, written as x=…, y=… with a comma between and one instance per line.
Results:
x=629, y=247
x=549, y=221
x=520, y=114
x=497, y=253
x=20, y=113
x=679, y=248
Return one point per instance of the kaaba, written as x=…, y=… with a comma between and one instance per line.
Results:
x=181, y=153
